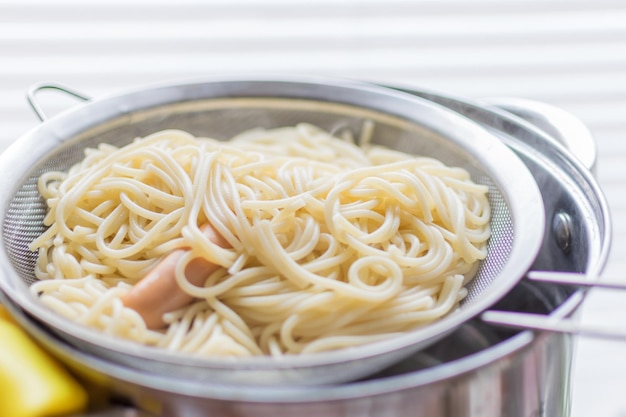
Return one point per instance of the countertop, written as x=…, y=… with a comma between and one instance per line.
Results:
x=568, y=53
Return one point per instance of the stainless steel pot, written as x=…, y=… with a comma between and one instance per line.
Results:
x=478, y=370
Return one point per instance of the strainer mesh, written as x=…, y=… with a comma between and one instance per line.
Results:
x=22, y=225
x=26, y=210
x=500, y=243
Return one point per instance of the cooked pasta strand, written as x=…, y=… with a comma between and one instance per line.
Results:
x=330, y=244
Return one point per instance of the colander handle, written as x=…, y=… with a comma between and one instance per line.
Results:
x=542, y=322
x=31, y=96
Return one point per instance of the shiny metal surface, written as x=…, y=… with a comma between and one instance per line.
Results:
x=573, y=279
x=223, y=107
x=520, y=377
x=486, y=372
x=571, y=326
x=556, y=122
x=32, y=93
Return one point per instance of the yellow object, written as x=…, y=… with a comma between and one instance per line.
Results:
x=5, y=315
x=32, y=383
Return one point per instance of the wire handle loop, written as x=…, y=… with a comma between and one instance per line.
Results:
x=31, y=96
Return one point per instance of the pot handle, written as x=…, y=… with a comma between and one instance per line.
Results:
x=541, y=322
x=563, y=126
x=31, y=96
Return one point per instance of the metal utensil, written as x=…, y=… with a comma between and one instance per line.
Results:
x=569, y=326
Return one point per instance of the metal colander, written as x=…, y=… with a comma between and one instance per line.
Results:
x=222, y=108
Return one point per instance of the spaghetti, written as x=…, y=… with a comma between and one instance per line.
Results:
x=330, y=244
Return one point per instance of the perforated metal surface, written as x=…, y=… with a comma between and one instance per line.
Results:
x=499, y=248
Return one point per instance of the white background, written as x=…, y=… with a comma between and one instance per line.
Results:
x=570, y=53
